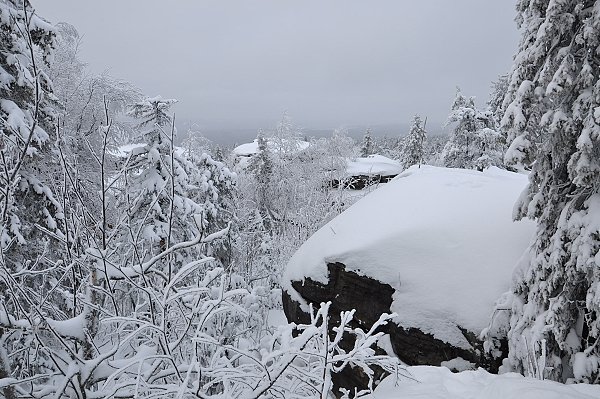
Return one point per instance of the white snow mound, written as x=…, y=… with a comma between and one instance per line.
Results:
x=283, y=145
x=124, y=150
x=441, y=383
x=443, y=238
x=246, y=149
x=373, y=165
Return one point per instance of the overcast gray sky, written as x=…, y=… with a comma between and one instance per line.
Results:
x=239, y=63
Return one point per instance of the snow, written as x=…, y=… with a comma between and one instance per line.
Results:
x=440, y=383
x=458, y=364
x=73, y=327
x=585, y=365
x=124, y=150
x=246, y=149
x=443, y=238
x=373, y=165
x=249, y=149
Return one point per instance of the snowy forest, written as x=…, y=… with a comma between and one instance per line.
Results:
x=138, y=260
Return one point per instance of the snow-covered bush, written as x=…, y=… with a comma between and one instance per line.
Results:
x=298, y=361
x=283, y=197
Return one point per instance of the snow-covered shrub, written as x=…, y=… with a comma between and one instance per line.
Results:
x=298, y=360
x=283, y=197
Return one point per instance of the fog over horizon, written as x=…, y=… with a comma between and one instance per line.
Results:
x=235, y=66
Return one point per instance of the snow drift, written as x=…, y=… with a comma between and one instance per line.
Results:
x=440, y=383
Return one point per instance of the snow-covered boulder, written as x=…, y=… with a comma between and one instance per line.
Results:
x=125, y=150
x=436, y=246
x=246, y=149
x=277, y=146
x=373, y=165
x=244, y=153
x=373, y=169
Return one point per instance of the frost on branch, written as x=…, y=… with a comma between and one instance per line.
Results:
x=299, y=360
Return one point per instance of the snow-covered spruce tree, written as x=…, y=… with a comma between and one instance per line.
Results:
x=366, y=147
x=390, y=147
x=30, y=216
x=459, y=151
x=27, y=128
x=554, y=329
x=261, y=166
x=163, y=188
x=434, y=148
x=213, y=186
x=496, y=99
x=413, y=151
x=473, y=144
x=491, y=147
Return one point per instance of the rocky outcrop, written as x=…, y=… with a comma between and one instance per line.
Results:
x=347, y=290
x=359, y=182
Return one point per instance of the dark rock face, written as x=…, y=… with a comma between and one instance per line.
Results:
x=361, y=181
x=347, y=290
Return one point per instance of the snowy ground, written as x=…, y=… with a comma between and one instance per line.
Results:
x=439, y=383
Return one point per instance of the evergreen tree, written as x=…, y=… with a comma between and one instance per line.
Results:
x=219, y=153
x=413, y=150
x=31, y=217
x=164, y=187
x=459, y=151
x=555, y=323
x=473, y=144
x=262, y=168
x=28, y=162
x=491, y=147
x=496, y=100
x=366, y=147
